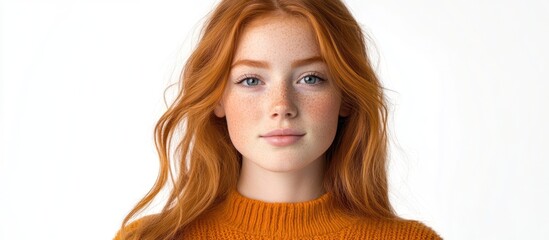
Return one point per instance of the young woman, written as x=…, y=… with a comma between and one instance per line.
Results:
x=283, y=124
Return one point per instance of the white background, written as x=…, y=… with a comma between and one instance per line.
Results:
x=82, y=86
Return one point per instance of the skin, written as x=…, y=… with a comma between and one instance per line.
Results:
x=270, y=88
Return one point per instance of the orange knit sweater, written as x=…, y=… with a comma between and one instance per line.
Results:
x=239, y=217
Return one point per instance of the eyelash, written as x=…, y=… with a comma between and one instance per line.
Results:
x=313, y=74
x=245, y=77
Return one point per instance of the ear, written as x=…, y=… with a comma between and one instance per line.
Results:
x=344, y=110
x=219, y=110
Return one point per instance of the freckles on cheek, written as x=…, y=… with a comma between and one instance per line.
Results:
x=323, y=111
x=240, y=118
x=324, y=108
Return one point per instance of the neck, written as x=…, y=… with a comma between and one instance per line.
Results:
x=298, y=185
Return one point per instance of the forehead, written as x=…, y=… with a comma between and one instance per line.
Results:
x=277, y=37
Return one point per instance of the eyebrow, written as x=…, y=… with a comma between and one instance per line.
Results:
x=262, y=64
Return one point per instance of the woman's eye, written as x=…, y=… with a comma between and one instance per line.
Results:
x=249, y=81
x=311, y=79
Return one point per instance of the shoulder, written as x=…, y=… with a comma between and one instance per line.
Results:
x=126, y=231
x=395, y=229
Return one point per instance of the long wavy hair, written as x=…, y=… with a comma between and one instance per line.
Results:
x=198, y=163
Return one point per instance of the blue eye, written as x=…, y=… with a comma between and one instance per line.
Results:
x=249, y=81
x=312, y=79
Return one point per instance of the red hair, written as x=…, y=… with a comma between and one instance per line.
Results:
x=205, y=165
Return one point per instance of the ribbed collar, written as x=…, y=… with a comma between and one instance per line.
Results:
x=315, y=217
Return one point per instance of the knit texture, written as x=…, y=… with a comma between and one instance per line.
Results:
x=239, y=217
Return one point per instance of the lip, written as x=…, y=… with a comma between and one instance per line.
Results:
x=283, y=132
x=283, y=137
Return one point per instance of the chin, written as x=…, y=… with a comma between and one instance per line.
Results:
x=281, y=165
x=280, y=168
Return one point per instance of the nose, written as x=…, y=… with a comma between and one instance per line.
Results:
x=283, y=105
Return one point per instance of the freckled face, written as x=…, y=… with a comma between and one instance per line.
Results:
x=278, y=82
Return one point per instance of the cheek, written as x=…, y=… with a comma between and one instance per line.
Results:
x=324, y=113
x=241, y=113
x=325, y=107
